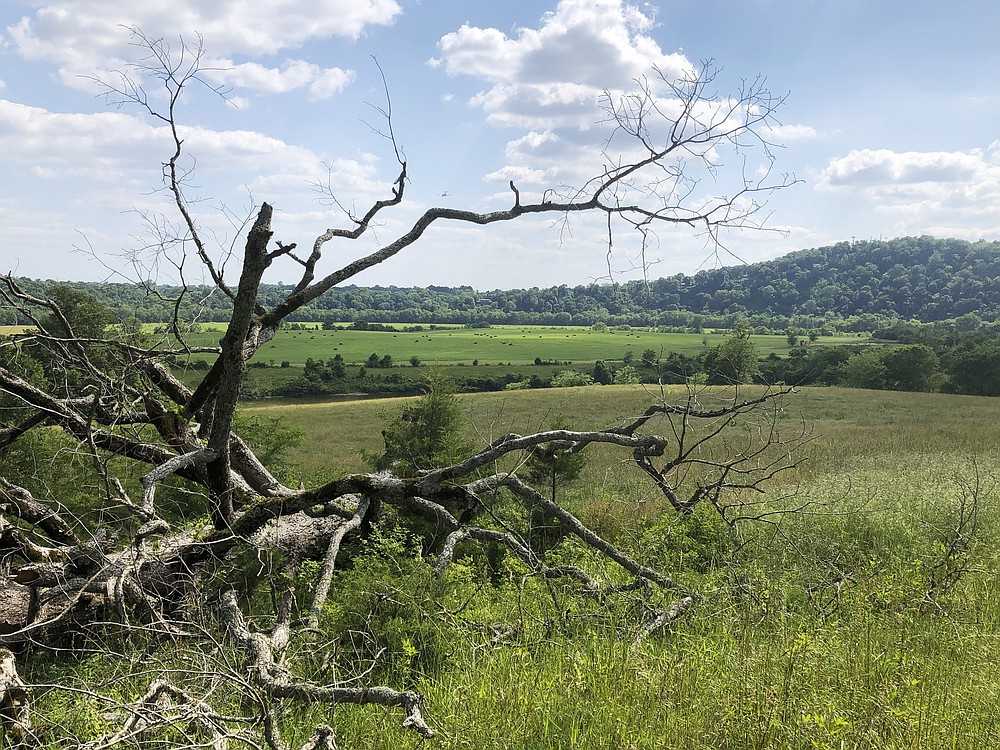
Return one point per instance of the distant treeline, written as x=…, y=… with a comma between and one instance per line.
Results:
x=845, y=287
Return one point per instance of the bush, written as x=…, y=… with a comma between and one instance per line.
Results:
x=626, y=375
x=377, y=609
x=569, y=378
x=426, y=435
x=699, y=541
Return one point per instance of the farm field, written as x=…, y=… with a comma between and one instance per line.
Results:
x=481, y=353
x=518, y=345
x=823, y=635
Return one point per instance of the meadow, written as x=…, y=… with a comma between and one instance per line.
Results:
x=476, y=354
x=829, y=629
x=517, y=345
x=867, y=619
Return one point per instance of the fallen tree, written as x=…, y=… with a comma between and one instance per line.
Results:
x=130, y=565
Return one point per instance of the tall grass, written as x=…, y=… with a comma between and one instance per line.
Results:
x=820, y=632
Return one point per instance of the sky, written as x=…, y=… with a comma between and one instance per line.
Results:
x=890, y=127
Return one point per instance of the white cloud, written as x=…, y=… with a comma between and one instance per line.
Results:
x=84, y=36
x=111, y=161
x=598, y=44
x=293, y=74
x=540, y=161
x=783, y=133
x=869, y=167
x=347, y=179
x=104, y=144
x=110, y=144
x=554, y=75
x=551, y=105
x=557, y=85
x=521, y=176
x=329, y=82
x=948, y=193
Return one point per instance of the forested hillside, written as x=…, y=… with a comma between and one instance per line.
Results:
x=851, y=286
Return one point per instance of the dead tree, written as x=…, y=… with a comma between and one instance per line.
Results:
x=139, y=428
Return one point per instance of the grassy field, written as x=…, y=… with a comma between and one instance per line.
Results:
x=518, y=345
x=851, y=425
x=827, y=631
x=474, y=353
x=818, y=635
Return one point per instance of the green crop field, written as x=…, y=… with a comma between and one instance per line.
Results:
x=492, y=352
x=815, y=633
x=519, y=345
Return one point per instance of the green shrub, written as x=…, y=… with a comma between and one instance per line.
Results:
x=570, y=378
x=382, y=610
x=698, y=541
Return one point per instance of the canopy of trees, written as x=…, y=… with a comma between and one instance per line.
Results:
x=852, y=286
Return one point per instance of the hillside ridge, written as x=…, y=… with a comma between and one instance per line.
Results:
x=849, y=285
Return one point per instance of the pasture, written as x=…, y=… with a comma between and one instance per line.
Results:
x=821, y=631
x=517, y=345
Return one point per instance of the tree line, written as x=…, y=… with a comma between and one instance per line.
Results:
x=954, y=356
x=850, y=286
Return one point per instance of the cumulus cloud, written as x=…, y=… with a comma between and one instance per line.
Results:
x=328, y=82
x=521, y=176
x=784, y=133
x=549, y=81
x=118, y=155
x=343, y=179
x=556, y=83
x=84, y=36
x=100, y=167
x=950, y=193
x=555, y=75
x=102, y=145
x=107, y=145
x=293, y=74
x=884, y=167
x=598, y=44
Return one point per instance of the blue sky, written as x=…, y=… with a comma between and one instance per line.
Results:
x=892, y=127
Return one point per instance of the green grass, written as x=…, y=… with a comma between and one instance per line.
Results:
x=852, y=425
x=761, y=662
x=518, y=345
x=773, y=657
x=466, y=353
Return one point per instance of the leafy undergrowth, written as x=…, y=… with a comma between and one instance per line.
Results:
x=769, y=659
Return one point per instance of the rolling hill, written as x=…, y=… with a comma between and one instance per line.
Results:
x=847, y=286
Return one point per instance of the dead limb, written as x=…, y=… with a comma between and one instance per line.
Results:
x=268, y=673
x=330, y=561
x=15, y=707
